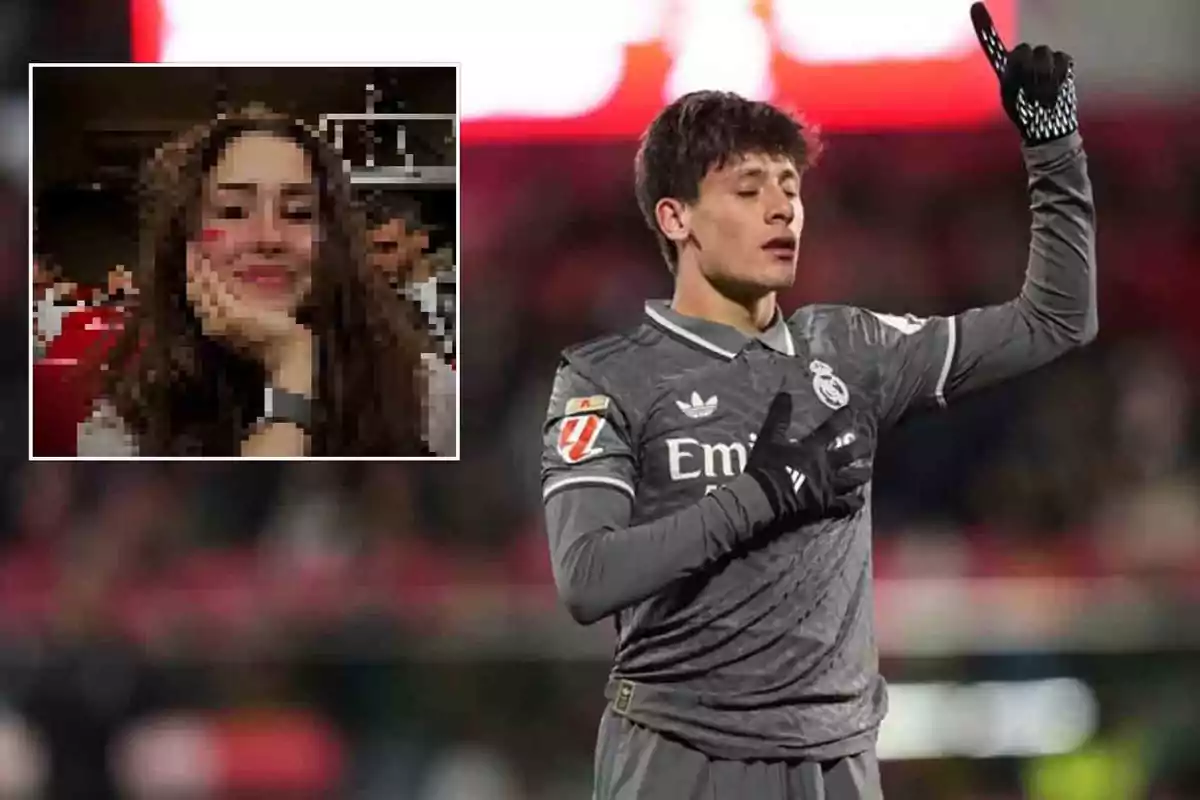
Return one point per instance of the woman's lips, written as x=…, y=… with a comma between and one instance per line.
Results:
x=270, y=277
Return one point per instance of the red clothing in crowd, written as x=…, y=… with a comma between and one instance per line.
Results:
x=65, y=381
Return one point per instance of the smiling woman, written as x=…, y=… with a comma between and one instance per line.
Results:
x=260, y=328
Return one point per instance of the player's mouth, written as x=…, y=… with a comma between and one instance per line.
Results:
x=267, y=277
x=782, y=248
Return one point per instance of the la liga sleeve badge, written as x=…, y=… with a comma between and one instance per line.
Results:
x=577, y=437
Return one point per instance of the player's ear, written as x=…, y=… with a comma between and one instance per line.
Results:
x=674, y=219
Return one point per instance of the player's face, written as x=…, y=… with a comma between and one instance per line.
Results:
x=745, y=226
x=259, y=221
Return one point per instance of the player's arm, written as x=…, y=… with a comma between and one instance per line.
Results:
x=602, y=563
x=1056, y=309
x=930, y=361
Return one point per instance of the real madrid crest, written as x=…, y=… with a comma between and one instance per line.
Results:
x=831, y=390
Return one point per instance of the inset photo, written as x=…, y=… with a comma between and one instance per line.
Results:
x=244, y=262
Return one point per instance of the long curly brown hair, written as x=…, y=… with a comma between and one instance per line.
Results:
x=183, y=393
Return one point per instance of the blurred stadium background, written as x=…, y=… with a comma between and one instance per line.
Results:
x=391, y=631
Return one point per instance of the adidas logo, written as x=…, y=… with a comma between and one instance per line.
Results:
x=698, y=408
x=797, y=479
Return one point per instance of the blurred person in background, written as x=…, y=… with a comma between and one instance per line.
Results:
x=399, y=241
x=740, y=576
x=45, y=275
x=42, y=301
x=120, y=288
x=55, y=300
x=259, y=329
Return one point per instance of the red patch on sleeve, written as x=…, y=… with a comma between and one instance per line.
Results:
x=577, y=438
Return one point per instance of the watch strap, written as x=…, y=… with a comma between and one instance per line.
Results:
x=283, y=406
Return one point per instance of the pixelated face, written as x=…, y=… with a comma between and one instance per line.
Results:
x=259, y=221
x=120, y=280
x=744, y=228
x=394, y=249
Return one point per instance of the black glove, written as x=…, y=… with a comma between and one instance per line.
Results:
x=815, y=478
x=1037, y=84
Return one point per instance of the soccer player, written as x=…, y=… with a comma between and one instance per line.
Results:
x=706, y=476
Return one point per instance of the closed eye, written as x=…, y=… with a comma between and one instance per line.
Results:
x=299, y=213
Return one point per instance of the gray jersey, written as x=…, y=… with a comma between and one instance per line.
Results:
x=745, y=641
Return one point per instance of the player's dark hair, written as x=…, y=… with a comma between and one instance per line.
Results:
x=183, y=393
x=702, y=131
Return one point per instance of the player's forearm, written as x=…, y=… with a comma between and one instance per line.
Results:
x=1056, y=310
x=600, y=569
x=1060, y=284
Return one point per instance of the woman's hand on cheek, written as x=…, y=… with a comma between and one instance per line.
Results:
x=269, y=335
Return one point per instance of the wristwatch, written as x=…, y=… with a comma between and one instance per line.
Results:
x=284, y=406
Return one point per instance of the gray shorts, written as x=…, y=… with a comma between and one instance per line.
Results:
x=635, y=763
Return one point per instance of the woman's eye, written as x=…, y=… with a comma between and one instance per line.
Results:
x=232, y=212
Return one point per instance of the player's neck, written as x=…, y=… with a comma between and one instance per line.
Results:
x=698, y=298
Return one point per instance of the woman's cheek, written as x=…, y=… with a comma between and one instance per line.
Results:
x=218, y=246
x=304, y=245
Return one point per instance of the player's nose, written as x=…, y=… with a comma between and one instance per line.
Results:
x=780, y=208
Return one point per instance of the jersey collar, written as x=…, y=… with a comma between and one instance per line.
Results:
x=715, y=337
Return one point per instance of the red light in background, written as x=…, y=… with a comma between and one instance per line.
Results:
x=146, y=20
x=934, y=83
